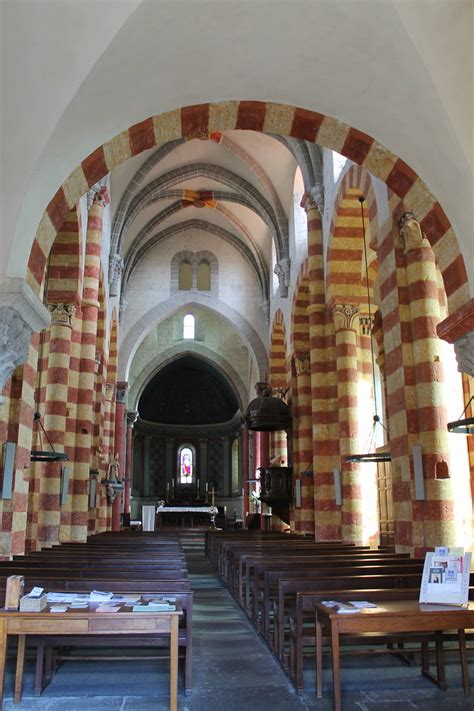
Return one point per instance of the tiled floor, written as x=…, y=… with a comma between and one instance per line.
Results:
x=234, y=671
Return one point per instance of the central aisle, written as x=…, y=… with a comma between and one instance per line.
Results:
x=233, y=668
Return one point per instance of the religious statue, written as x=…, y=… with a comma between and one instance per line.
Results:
x=113, y=470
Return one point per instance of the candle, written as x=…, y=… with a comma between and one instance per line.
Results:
x=212, y=497
x=207, y=487
x=197, y=484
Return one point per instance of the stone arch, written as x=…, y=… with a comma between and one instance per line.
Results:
x=143, y=326
x=253, y=197
x=199, y=351
x=278, y=375
x=299, y=314
x=65, y=264
x=221, y=139
x=206, y=120
x=224, y=234
x=345, y=272
x=210, y=201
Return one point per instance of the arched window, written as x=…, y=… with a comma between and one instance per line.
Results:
x=188, y=326
x=204, y=276
x=185, y=278
x=185, y=464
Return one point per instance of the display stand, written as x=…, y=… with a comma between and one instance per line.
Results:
x=446, y=577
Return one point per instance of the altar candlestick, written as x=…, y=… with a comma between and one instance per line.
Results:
x=212, y=496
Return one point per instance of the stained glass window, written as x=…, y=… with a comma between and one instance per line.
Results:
x=186, y=465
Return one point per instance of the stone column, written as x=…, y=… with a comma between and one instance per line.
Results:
x=303, y=431
x=86, y=381
x=131, y=419
x=327, y=517
x=345, y=322
x=146, y=466
x=202, y=466
x=169, y=467
x=245, y=471
x=119, y=448
x=436, y=514
x=54, y=422
x=225, y=462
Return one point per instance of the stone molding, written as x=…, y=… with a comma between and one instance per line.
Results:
x=344, y=316
x=21, y=315
x=116, y=265
x=282, y=270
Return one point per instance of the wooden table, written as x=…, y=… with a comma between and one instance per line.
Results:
x=390, y=617
x=86, y=622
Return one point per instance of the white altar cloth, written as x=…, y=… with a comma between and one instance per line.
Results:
x=148, y=518
x=186, y=509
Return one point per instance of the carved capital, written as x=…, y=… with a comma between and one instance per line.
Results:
x=410, y=231
x=317, y=193
x=62, y=314
x=121, y=393
x=21, y=315
x=132, y=417
x=109, y=391
x=365, y=324
x=123, y=305
x=115, y=273
x=282, y=270
x=302, y=363
x=464, y=348
x=344, y=316
x=98, y=194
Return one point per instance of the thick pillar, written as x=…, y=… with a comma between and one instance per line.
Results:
x=345, y=322
x=86, y=380
x=202, y=466
x=226, y=468
x=169, y=468
x=131, y=419
x=262, y=449
x=303, y=436
x=245, y=471
x=327, y=517
x=54, y=421
x=434, y=516
x=119, y=448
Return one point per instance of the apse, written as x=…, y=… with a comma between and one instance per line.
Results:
x=188, y=391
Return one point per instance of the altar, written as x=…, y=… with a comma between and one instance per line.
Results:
x=186, y=516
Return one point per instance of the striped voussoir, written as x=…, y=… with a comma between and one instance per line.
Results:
x=210, y=120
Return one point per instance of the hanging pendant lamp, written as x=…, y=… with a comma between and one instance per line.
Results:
x=370, y=456
x=45, y=455
x=463, y=425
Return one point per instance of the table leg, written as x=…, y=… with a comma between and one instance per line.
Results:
x=3, y=656
x=440, y=661
x=336, y=669
x=174, y=664
x=20, y=665
x=463, y=655
x=319, y=660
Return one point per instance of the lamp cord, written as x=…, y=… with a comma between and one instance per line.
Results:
x=369, y=304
